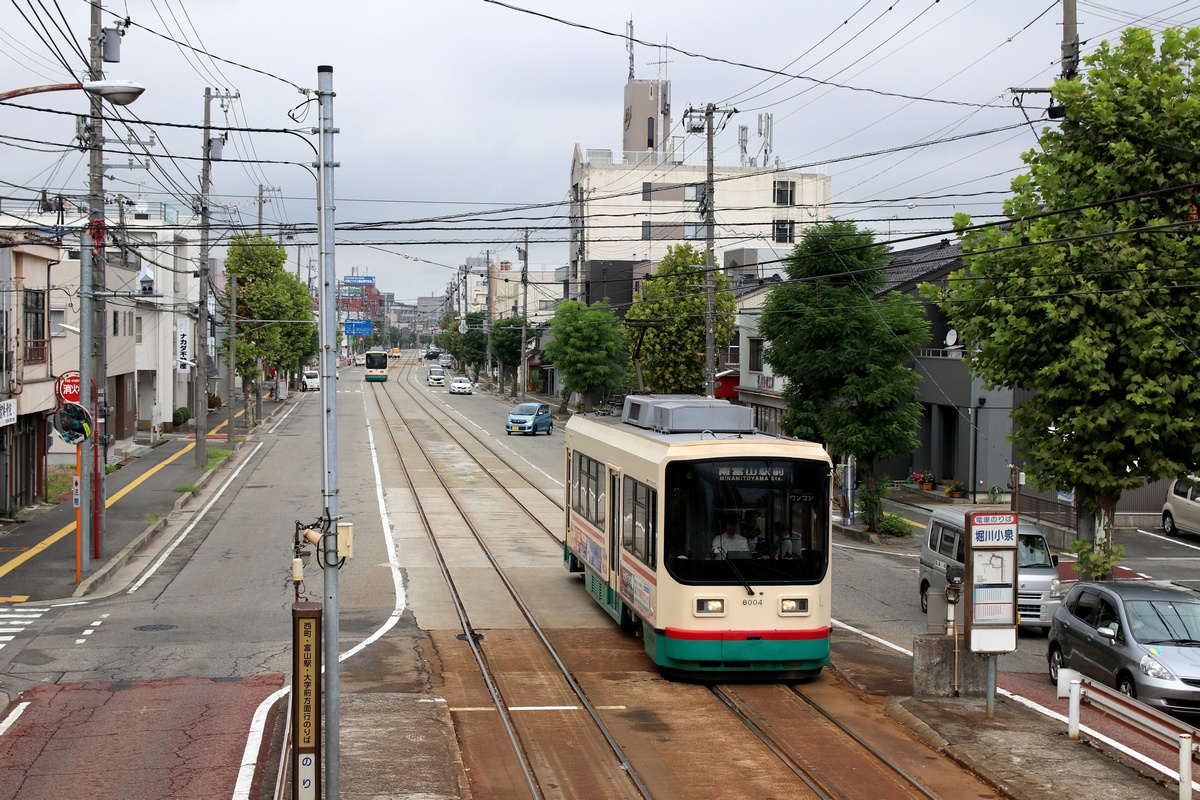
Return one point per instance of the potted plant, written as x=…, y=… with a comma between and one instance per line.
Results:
x=956, y=488
x=923, y=478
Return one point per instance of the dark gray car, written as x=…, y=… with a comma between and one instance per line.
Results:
x=1140, y=638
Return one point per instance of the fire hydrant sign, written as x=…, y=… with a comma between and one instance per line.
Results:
x=67, y=387
x=991, y=625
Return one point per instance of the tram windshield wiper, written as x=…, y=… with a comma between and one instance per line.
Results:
x=733, y=566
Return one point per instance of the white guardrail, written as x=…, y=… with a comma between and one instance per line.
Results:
x=1147, y=721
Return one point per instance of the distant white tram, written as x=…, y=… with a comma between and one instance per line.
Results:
x=711, y=539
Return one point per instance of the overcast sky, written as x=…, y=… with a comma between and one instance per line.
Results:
x=461, y=108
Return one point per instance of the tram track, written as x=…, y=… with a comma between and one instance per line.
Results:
x=528, y=742
x=822, y=750
x=642, y=735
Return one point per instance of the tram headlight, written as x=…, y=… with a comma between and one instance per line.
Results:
x=793, y=605
x=710, y=606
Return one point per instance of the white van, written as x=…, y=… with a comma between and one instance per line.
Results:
x=1039, y=589
x=310, y=381
x=436, y=376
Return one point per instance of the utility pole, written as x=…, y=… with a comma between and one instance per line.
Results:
x=329, y=540
x=202, y=316
x=487, y=319
x=91, y=252
x=710, y=348
x=524, y=375
x=230, y=436
x=1070, y=42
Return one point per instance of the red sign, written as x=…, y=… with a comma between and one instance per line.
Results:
x=67, y=387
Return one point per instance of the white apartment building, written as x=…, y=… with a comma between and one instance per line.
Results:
x=149, y=340
x=627, y=210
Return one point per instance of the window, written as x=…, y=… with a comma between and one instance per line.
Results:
x=647, y=190
x=646, y=229
x=694, y=230
x=57, y=317
x=35, y=326
x=694, y=191
x=137, y=330
x=649, y=131
x=756, y=355
x=587, y=493
x=637, y=520
x=785, y=231
x=785, y=193
x=116, y=323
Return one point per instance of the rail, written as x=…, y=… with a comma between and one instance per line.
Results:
x=1139, y=717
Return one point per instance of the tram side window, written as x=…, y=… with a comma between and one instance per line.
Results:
x=588, y=490
x=638, y=511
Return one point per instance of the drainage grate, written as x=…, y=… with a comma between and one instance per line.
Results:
x=155, y=628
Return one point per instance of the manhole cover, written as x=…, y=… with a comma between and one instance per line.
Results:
x=155, y=627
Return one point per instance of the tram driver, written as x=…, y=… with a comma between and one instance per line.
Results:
x=730, y=541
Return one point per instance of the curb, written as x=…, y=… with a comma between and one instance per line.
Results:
x=894, y=708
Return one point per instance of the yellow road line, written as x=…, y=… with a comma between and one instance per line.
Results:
x=46, y=543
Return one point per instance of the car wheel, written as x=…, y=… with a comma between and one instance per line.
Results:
x=550, y=428
x=509, y=433
x=1054, y=658
x=1126, y=686
x=1169, y=524
x=924, y=597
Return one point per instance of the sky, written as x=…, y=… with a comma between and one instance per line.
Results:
x=457, y=118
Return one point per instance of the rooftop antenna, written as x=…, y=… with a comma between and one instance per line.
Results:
x=629, y=44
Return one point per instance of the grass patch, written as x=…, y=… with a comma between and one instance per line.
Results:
x=152, y=518
x=216, y=455
x=190, y=488
x=109, y=469
x=59, y=481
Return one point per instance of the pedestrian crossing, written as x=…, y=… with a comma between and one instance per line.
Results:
x=15, y=620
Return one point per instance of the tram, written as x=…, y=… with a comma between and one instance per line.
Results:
x=708, y=538
x=376, y=363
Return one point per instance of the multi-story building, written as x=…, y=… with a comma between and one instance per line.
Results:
x=627, y=210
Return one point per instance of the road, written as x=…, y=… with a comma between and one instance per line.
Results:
x=214, y=607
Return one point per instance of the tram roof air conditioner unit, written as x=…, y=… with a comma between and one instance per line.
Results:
x=683, y=413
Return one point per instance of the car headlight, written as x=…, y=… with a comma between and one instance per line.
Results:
x=1056, y=589
x=706, y=606
x=1151, y=667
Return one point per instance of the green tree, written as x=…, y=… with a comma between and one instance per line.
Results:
x=472, y=345
x=506, y=348
x=845, y=350
x=275, y=323
x=675, y=300
x=1082, y=299
x=587, y=349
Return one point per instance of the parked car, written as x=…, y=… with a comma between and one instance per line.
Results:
x=529, y=418
x=1141, y=638
x=310, y=381
x=460, y=385
x=1181, y=507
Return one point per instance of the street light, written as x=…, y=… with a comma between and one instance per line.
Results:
x=117, y=92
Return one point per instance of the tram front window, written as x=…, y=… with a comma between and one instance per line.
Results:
x=747, y=520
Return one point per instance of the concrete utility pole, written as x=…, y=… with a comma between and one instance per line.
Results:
x=329, y=355
x=710, y=316
x=1070, y=42
x=487, y=319
x=91, y=250
x=201, y=356
x=524, y=374
x=230, y=436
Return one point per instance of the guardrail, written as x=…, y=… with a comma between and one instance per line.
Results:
x=1140, y=717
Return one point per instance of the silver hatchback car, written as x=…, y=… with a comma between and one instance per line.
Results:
x=1140, y=638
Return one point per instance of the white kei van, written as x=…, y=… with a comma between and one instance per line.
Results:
x=435, y=376
x=1039, y=589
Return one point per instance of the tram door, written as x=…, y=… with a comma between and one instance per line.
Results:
x=614, y=522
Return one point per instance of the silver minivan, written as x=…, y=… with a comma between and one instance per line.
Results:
x=1039, y=588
